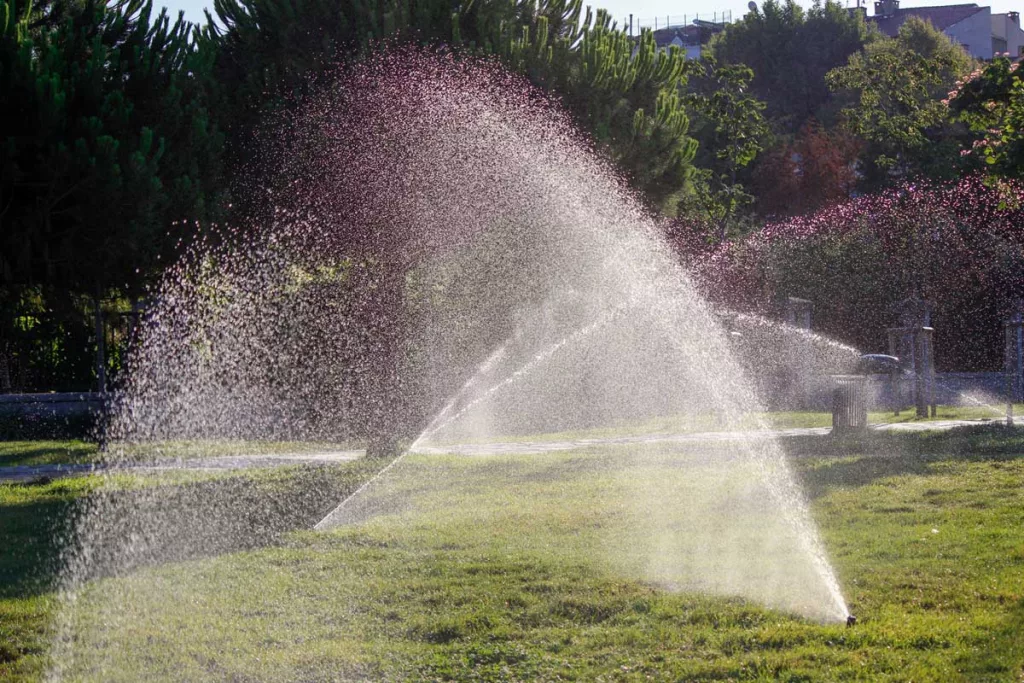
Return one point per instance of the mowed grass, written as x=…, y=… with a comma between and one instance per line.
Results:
x=15, y=453
x=43, y=452
x=32, y=453
x=245, y=509
x=508, y=577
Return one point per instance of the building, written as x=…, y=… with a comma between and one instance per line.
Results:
x=689, y=37
x=686, y=38
x=1007, y=35
x=981, y=33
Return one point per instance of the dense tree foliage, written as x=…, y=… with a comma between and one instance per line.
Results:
x=625, y=94
x=898, y=85
x=790, y=50
x=107, y=144
x=108, y=157
x=126, y=132
x=959, y=246
x=812, y=170
x=730, y=128
x=288, y=54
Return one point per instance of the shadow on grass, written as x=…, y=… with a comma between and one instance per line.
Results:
x=126, y=528
x=864, y=459
x=32, y=529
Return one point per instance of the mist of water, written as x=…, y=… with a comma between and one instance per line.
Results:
x=445, y=243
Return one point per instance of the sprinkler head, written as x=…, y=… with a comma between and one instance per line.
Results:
x=851, y=620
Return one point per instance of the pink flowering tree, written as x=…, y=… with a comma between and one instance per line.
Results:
x=959, y=246
x=991, y=103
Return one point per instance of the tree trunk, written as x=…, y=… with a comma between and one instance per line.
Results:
x=101, y=351
x=385, y=403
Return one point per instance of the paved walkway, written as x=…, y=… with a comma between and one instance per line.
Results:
x=237, y=462
x=528, y=447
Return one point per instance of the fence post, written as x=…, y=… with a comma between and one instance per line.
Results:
x=913, y=341
x=894, y=377
x=5, y=371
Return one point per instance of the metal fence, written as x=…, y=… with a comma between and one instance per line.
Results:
x=678, y=20
x=52, y=351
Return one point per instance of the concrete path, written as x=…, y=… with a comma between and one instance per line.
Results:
x=528, y=447
x=236, y=462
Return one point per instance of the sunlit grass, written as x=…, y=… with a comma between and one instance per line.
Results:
x=13, y=453
x=208, y=448
x=42, y=452
x=507, y=577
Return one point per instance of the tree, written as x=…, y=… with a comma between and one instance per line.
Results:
x=107, y=159
x=288, y=56
x=89, y=183
x=790, y=51
x=958, y=245
x=814, y=170
x=897, y=86
x=991, y=103
x=731, y=131
x=622, y=92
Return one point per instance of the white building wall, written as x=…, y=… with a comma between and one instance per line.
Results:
x=691, y=51
x=1014, y=39
x=1006, y=28
x=974, y=33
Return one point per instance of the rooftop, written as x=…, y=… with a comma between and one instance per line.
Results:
x=940, y=17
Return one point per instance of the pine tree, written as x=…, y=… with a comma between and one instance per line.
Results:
x=273, y=51
x=90, y=182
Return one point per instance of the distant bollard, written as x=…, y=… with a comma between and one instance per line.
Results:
x=849, y=405
x=1014, y=363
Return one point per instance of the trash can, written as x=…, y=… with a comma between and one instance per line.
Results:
x=849, y=404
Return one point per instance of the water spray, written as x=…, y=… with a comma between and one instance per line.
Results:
x=436, y=424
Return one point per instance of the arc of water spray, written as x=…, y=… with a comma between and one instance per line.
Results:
x=448, y=406
x=575, y=336
x=846, y=348
x=790, y=501
x=434, y=427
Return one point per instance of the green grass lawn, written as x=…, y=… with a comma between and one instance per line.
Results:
x=13, y=453
x=824, y=419
x=34, y=518
x=523, y=568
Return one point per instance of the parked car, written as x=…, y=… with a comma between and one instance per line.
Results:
x=880, y=364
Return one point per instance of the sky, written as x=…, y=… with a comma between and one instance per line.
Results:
x=645, y=13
